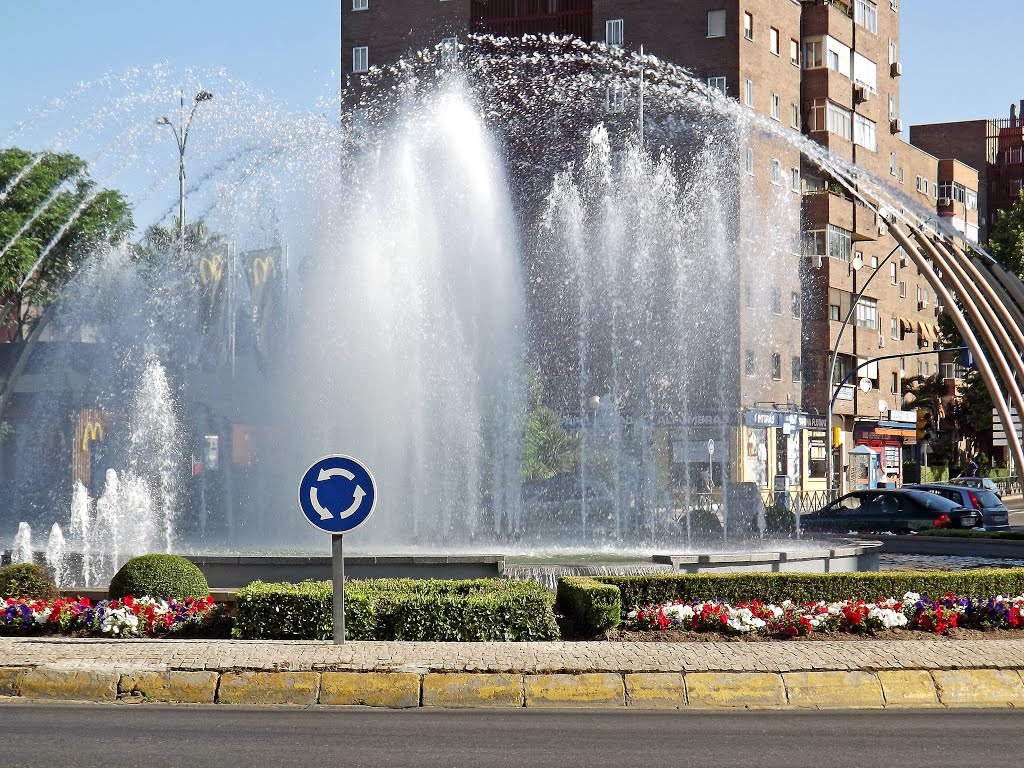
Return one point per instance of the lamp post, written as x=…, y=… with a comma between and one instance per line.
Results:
x=180, y=132
x=829, y=463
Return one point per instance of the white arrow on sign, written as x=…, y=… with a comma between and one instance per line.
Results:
x=327, y=474
x=325, y=514
x=357, y=499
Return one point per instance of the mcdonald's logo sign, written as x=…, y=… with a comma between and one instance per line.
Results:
x=92, y=431
x=210, y=269
x=262, y=268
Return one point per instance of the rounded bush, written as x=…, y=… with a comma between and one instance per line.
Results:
x=163, y=576
x=27, y=580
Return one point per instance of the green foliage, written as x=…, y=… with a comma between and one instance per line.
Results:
x=548, y=450
x=163, y=576
x=972, y=533
x=973, y=411
x=810, y=587
x=589, y=607
x=57, y=187
x=704, y=525
x=780, y=521
x=1006, y=238
x=476, y=610
x=27, y=580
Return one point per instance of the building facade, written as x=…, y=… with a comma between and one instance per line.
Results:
x=826, y=69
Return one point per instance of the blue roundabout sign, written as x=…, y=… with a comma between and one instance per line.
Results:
x=337, y=494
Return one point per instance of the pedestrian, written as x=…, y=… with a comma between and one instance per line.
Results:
x=972, y=468
x=706, y=481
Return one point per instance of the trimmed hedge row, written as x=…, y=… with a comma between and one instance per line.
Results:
x=27, y=580
x=399, y=609
x=590, y=607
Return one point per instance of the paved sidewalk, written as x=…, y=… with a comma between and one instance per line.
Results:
x=799, y=675
x=570, y=657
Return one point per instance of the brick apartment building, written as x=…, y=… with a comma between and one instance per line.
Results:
x=830, y=70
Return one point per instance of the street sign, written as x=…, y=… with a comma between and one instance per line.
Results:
x=711, y=447
x=337, y=494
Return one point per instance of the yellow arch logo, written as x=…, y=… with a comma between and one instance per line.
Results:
x=211, y=269
x=262, y=269
x=92, y=432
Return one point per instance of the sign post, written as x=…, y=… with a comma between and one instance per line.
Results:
x=337, y=494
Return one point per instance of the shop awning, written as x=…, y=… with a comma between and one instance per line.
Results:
x=922, y=331
x=906, y=325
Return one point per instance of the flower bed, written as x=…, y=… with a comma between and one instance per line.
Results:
x=127, y=617
x=789, y=619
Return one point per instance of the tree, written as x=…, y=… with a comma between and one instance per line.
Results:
x=1006, y=239
x=58, y=210
x=548, y=450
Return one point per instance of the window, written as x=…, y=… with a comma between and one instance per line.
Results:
x=894, y=328
x=874, y=260
x=895, y=5
x=794, y=180
x=777, y=366
x=903, y=290
x=865, y=73
x=359, y=5
x=837, y=120
x=794, y=52
x=748, y=161
x=867, y=313
x=776, y=107
x=812, y=54
x=773, y=40
x=794, y=303
x=748, y=26
x=892, y=51
x=835, y=305
x=613, y=33
x=776, y=172
x=892, y=163
x=865, y=133
x=360, y=58
x=716, y=23
x=776, y=300
x=892, y=108
x=615, y=98
x=901, y=175
x=922, y=185
x=748, y=92
x=833, y=60
x=817, y=455
x=892, y=273
x=865, y=13
x=794, y=116
x=894, y=382
x=927, y=368
x=749, y=366
x=449, y=49
x=796, y=368
x=718, y=83
x=840, y=243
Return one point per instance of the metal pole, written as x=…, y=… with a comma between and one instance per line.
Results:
x=181, y=136
x=338, y=579
x=829, y=463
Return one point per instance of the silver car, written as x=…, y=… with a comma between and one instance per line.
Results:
x=984, y=483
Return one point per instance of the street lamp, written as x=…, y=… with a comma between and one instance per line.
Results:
x=856, y=264
x=181, y=138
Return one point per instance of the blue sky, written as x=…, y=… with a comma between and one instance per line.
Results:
x=961, y=59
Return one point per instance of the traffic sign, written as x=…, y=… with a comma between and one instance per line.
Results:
x=337, y=494
x=711, y=447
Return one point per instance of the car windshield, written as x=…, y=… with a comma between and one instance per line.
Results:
x=932, y=501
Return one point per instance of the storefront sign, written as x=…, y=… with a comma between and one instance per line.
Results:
x=778, y=419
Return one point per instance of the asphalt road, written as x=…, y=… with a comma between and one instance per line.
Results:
x=148, y=735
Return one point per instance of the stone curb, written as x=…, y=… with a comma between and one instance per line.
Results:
x=908, y=688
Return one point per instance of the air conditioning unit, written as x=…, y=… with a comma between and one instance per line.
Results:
x=818, y=261
x=945, y=202
x=861, y=94
x=883, y=230
x=895, y=69
x=881, y=340
x=896, y=126
x=922, y=305
x=904, y=261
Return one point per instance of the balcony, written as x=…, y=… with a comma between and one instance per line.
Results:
x=828, y=17
x=823, y=83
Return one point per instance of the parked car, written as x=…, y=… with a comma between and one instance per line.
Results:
x=993, y=511
x=985, y=483
x=897, y=511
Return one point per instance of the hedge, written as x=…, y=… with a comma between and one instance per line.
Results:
x=399, y=609
x=27, y=580
x=589, y=607
x=972, y=533
x=163, y=576
x=654, y=589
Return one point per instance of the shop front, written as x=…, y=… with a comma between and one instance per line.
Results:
x=888, y=439
x=783, y=450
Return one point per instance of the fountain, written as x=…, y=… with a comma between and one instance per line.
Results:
x=22, y=552
x=470, y=231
